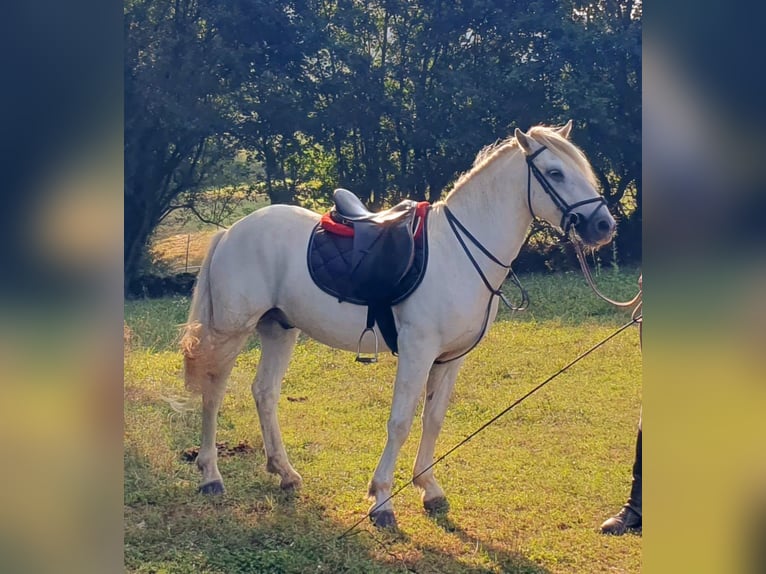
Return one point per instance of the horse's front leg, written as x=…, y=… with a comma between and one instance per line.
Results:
x=411, y=373
x=441, y=381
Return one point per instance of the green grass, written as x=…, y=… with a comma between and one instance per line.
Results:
x=527, y=494
x=562, y=298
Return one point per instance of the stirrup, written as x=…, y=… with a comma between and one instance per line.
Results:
x=359, y=357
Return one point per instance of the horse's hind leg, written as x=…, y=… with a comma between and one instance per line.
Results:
x=441, y=381
x=211, y=372
x=277, y=343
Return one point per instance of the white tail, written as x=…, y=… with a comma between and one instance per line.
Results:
x=195, y=330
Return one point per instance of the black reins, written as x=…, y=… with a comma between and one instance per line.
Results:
x=457, y=227
x=455, y=224
x=568, y=219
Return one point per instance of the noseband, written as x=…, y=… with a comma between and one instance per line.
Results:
x=568, y=218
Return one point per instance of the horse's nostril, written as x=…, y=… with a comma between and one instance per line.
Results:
x=603, y=226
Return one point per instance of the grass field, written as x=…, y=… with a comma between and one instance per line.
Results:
x=180, y=243
x=526, y=495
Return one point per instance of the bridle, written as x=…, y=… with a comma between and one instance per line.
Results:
x=568, y=218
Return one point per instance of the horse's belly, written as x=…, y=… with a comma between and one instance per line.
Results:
x=338, y=325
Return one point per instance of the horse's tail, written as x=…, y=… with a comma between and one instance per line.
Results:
x=195, y=337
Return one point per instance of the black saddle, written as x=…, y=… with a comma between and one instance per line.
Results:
x=371, y=259
x=383, y=245
x=349, y=208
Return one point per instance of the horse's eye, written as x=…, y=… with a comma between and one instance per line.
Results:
x=555, y=173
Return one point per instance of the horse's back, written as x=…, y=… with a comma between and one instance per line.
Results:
x=278, y=216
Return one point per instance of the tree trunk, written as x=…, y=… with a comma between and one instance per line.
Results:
x=138, y=226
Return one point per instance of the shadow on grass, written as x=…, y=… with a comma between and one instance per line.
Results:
x=259, y=528
x=508, y=561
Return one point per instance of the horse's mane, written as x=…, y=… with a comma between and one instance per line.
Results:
x=546, y=135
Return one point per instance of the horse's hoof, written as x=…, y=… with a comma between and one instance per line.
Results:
x=438, y=505
x=215, y=487
x=291, y=484
x=383, y=519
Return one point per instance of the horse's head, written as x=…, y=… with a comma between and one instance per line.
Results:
x=561, y=185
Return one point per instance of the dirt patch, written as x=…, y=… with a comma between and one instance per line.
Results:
x=190, y=454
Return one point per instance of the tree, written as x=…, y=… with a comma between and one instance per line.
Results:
x=268, y=44
x=202, y=78
x=390, y=98
x=173, y=124
x=601, y=88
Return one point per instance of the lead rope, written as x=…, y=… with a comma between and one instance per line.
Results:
x=637, y=300
x=490, y=422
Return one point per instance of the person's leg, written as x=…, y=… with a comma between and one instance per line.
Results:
x=629, y=517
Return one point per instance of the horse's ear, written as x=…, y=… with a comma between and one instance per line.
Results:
x=523, y=140
x=564, y=130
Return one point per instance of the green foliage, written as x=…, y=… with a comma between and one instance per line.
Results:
x=389, y=99
x=174, y=123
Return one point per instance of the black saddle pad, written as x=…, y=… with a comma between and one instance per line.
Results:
x=330, y=266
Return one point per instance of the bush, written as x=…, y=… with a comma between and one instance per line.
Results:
x=155, y=286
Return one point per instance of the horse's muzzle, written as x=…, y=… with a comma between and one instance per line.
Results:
x=596, y=229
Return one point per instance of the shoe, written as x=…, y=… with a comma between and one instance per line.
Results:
x=627, y=520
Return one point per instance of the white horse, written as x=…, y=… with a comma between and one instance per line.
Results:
x=255, y=278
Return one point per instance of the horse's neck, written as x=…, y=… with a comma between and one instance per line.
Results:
x=492, y=205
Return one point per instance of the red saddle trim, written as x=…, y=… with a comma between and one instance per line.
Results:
x=420, y=212
x=331, y=226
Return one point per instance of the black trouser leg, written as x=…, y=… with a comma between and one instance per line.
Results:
x=629, y=517
x=635, y=489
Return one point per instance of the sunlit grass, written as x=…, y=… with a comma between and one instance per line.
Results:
x=180, y=252
x=527, y=494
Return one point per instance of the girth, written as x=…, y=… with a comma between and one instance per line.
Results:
x=371, y=259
